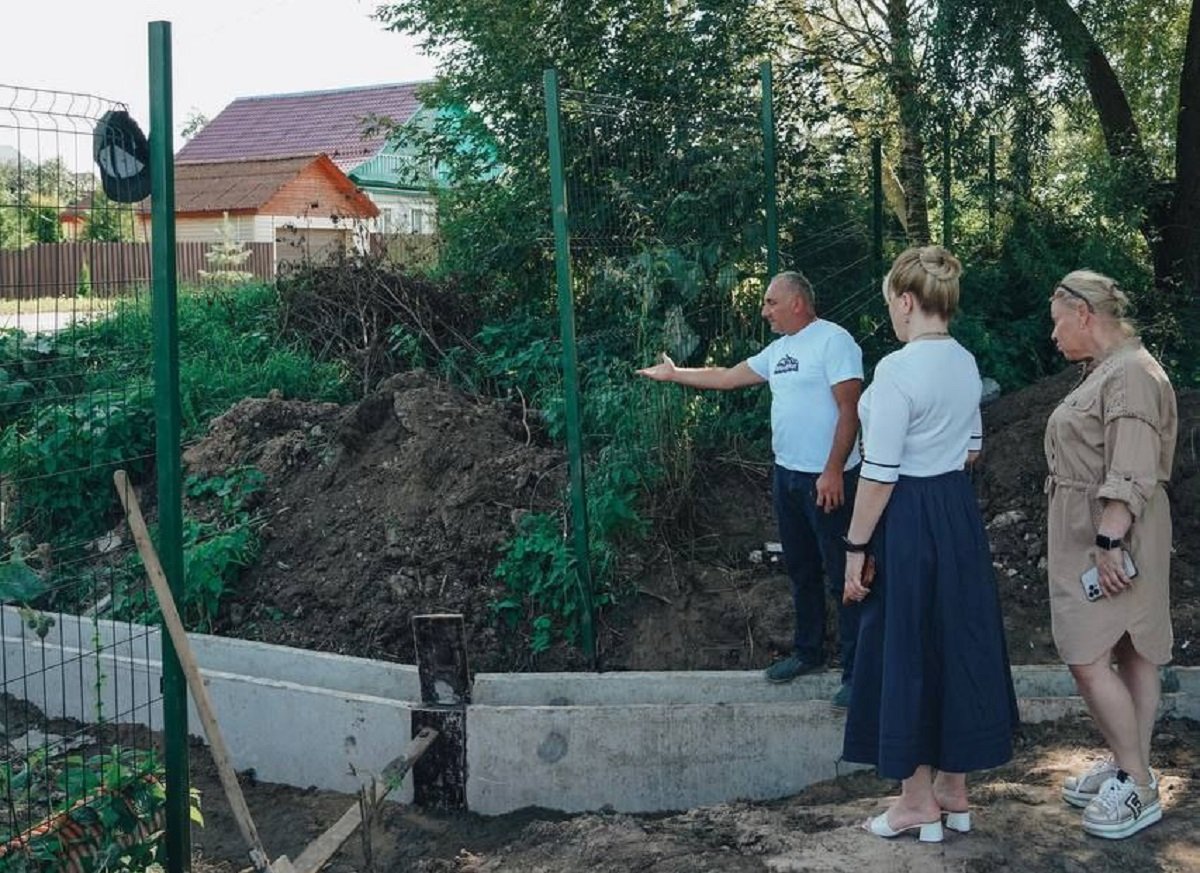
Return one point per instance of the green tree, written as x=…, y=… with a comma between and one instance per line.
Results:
x=695, y=61
x=226, y=257
x=107, y=221
x=873, y=59
x=1138, y=63
x=195, y=122
x=41, y=222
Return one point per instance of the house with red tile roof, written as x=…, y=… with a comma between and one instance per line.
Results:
x=305, y=206
x=340, y=125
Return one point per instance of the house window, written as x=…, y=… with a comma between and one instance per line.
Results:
x=417, y=221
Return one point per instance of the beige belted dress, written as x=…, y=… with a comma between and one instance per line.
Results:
x=1112, y=438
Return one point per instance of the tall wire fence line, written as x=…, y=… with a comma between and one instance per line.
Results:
x=82, y=768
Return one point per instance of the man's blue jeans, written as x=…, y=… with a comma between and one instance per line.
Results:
x=812, y=547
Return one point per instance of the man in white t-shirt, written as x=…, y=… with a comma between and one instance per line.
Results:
x=815, y=373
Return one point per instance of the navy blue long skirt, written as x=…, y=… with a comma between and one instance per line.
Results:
x=932, y=683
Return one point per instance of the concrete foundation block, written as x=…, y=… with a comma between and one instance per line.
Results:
x=648, y=757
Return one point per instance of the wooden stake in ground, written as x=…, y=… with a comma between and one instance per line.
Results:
x=183, y=649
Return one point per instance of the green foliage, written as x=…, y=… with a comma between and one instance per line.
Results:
x=215, y=551
x=117, y=799
x=539, y=573
x=83, y=286
x=107, y=221
x=230, y=348
x=41, y=223
x=63, y=455
x=694, y=63
x=90, y=406
x=226, y=257
x=18, y=583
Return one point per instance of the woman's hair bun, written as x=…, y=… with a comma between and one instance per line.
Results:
x=939, y=263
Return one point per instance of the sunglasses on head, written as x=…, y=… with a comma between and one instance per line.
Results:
x=1076, y=295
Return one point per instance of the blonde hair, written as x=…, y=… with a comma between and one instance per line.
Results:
x=930, y=274
x=1099, y=294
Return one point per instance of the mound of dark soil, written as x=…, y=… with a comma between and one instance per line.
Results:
x=388, y=508
x=399, y=505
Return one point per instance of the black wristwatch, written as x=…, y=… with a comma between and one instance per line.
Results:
x=854, y=548
x=1108, y=543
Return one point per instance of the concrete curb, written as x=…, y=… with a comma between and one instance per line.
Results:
x=633, y=742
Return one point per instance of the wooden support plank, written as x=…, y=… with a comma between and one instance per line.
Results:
x=195, y=682
x=323, y=847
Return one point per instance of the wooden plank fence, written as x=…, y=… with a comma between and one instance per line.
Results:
x=55, y=269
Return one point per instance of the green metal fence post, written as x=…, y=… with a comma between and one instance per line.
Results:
x=167, y=435
x=570, y=359
x=947, y=206
x=877, y=209
x=991, y=187
x=769, y=195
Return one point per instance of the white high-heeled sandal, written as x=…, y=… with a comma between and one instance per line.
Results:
x=958, y=821
x=927, y=831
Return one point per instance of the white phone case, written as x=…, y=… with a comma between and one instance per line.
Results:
x=1091, y=578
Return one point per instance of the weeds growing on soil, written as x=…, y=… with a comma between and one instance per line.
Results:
x=76, y=404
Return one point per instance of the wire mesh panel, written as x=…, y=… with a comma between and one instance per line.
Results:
x=666, y=228
x=80, y=774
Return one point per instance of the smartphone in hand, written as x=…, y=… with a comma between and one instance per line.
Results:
x=1091, y=578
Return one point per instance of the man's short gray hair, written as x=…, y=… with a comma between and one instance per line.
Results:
x=796, y=281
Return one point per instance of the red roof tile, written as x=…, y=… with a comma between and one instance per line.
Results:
x=307, y=123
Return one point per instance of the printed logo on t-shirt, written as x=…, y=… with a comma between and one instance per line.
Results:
x=787, y=364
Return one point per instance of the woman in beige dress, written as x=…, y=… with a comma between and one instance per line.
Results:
x=1109, y=447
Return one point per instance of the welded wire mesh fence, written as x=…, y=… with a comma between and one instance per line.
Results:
x=664, y=216
x=666, y=250
x=81, y=706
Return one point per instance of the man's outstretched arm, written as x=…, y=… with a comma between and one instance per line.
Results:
x=717, y=378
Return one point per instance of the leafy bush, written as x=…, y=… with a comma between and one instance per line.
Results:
x=215, y=551
x=105, y=811
x=63, y=457
x=81, y=403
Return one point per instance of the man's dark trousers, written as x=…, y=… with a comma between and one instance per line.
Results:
x=812, y=547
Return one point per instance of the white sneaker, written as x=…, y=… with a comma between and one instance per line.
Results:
x=1080, y=789
x=1122, y=808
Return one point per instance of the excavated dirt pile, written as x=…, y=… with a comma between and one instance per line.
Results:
x=400, y=504
x=391, y=507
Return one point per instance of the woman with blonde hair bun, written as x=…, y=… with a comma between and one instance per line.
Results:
x=1109, y=447
x=932, y=697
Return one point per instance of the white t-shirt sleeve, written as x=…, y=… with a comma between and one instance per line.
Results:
x=975, y=444
x=843, y=359
x=887, y=426
x=761, y=363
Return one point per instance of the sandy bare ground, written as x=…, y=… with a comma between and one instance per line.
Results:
x=1021, y=824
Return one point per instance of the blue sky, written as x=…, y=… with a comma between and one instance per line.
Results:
x=223, y=49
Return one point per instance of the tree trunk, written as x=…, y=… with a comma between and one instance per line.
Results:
x=1171, y=212
x=902, y=79
x=1178, y=254
x=893, y=189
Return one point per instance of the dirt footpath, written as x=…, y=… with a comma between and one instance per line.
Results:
x=1020, y=825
